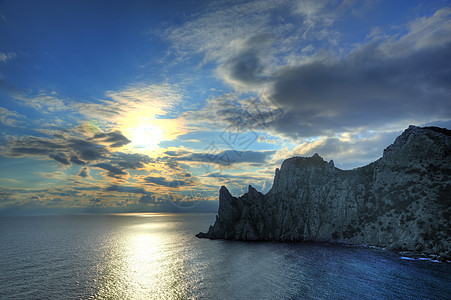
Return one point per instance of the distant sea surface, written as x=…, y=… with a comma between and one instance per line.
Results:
x=157, y=256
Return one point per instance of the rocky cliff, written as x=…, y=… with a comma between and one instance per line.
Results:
x=401, y=201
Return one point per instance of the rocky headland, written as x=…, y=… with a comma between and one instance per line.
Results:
x=399, y=202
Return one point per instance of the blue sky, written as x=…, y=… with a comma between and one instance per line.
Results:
x=152, y=106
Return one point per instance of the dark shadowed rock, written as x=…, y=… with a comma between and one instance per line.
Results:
x=401, y=201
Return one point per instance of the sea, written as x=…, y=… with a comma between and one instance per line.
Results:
x=157, y=256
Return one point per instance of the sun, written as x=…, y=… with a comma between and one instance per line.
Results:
x=146, y=136
x=146, y=131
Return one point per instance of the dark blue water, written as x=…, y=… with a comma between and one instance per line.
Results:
x=157, y=256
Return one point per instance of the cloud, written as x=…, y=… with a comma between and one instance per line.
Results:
x=60, y=157
x=9, y=118
x=392, y=80
x=85, y=149
x=130, y=160
x=96, y=200
x=114, y=139
x=104, y=110
x=80, y=148
x=229, y=157
x=63, y=146
x=74, y=159
x=220, y=31
x=348, y=150
x=113, y=171
x=265, y=140
x=44, y=101
x=235, y=113
x=4, y=57
x=246, y=68
x=364, y=89
x=177, y=152
x=175, y=183
x=161, y=98
x=84, y=172
x=147, y=199
x=126, y=189
x=424, y=32
x=214, y=30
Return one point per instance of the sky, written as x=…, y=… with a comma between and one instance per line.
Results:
x=129, y=106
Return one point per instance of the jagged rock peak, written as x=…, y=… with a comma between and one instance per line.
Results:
x=252, y=193
x=303, y=162
x=444, y=131
x=251, y=190
x=224, y=194
x=419, y=144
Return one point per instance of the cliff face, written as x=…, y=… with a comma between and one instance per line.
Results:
x=401, y=201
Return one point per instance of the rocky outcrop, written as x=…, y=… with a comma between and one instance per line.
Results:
x=401, y=201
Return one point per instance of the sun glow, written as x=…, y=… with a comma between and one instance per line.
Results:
x=144, y=123
x=146, y=136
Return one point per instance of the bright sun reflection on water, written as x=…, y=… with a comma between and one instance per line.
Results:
x=145, y=263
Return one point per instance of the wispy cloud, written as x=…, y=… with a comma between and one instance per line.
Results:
x=10, y=118
x=44, y=101
x=222, y=29
x=6, y=56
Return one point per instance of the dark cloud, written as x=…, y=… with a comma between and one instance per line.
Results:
x=146, y=199
x=176, y=152
x=66, y=147
x=84, y=172
x=229, y=157
x=74, y=159
x=364, y=89
x=113, y=171
x=368, y=88
x=114, y=139
x=235, y=114
x=227, y=176
x=32, y=146
x=64, y=193
x=246, y=67
x=126, y=189
x=20, y=151
x=86, y=150
x=60, y=157
x=58, y=149
x=118, y=162
x=130, y=161
x=87, y=188
x=176, y=182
